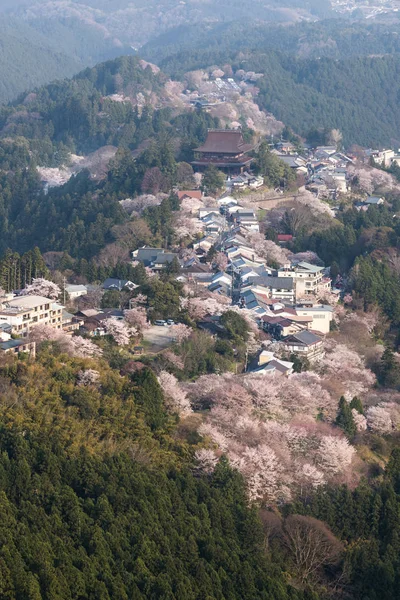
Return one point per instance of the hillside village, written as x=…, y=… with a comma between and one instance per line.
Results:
x=249, y=269
x=200, y=303
x=290, y=298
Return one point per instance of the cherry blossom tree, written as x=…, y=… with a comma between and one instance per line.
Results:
x=316, y=205
x=180, y=332
x=212, y=305
x=207, y=430
x=88, y=377
x=140, y=203
x=173, y=359
x=176, y=398
x=343, y=365
x=137, y=318
x=335, y=137
x=186, y=226
x=138, y=299
x=220, y=261
x=217, y=73
x=191, y=206
x=84, y=348
x=150, y=273
x=45, y=333
x=359, y=420
x=335, y=454
x=369, y=179
x=312, y=476
x=267, y=249
x=364, y=180
x=72, y=345
x=263, y=473
x=206, y=461
x=42, y=287
x=379, y=419
x=119, y=331
x=308, y=256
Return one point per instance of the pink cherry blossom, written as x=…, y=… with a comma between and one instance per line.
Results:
x=176, y=399
x=42, y=287
x=88, y=377
x=180, y=332
x=206, y=461
x=119, y=331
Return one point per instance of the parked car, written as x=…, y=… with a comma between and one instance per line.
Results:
x=160, y=322
x=170, y=322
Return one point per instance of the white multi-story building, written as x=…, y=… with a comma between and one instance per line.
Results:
x=25, y=312
x=309, y=279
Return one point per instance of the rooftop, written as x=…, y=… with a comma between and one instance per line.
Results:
x=26, y=303
x=307, y=338
x=13, y=344
x=75, y=288
x=117, y=284
x=277, y=283
x=305, y=266
x=225, y=141
x=197, y=194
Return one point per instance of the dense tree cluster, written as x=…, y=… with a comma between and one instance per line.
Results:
x=308, y=94
x=17, y=272
x=98, y=498
x=368, y=519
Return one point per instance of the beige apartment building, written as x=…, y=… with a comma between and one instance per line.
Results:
x=25, y=312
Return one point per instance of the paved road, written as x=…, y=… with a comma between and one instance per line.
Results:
x=158, y=337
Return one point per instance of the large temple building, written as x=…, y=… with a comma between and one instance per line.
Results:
x=225, y=149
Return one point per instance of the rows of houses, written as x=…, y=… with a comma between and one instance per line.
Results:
x=282, y=301
x=324, y=168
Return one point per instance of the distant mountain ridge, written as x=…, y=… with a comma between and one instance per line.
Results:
x=41, y=40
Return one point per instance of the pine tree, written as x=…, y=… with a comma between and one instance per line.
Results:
x=357, y=405
x=345, y=419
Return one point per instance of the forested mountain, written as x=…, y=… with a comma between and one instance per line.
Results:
x=78, y=115
x=135, y=22
x=81, y=116
x=99, y=498
x=42, y=40
x=34, y=53
x=312, y=93
x=28, y=58
x=330, y=38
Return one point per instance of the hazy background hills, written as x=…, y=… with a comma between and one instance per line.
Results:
x=324, y=65
x=41, y=39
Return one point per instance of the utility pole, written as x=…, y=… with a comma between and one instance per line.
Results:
x=64, y=282
x=247, y=359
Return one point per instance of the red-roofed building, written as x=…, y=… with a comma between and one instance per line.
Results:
x=283, y=238
x=196, y=194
